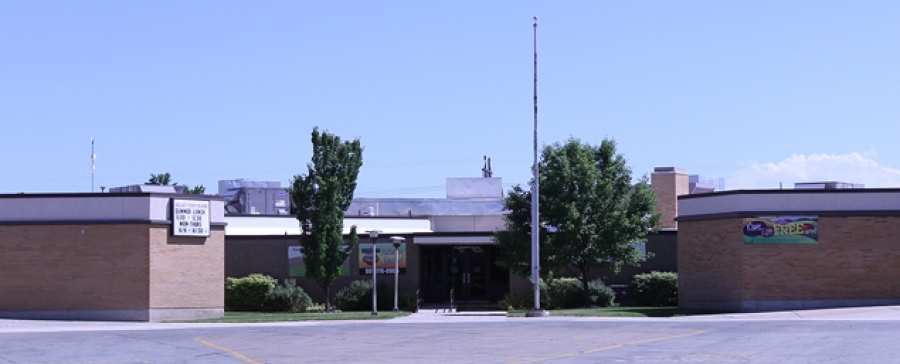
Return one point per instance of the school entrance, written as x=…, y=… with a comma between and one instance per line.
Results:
x=467, y=272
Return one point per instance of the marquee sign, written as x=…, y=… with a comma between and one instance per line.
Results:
x=190, y=218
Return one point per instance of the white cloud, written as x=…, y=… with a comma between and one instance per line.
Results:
x=854, y=167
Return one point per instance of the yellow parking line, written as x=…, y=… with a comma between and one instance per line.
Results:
x=698, y=332
x=227, y=350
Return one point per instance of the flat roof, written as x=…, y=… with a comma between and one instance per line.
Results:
x=825, y=202
x=98, y=207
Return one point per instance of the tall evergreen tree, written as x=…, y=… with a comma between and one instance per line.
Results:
x=321, y=196
x=591, y=214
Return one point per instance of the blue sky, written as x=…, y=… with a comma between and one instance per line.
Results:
x=756, y=92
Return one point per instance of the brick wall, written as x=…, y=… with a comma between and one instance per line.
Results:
x=709, y=261
x=854, y=261
x=268, y=255
x=187, y=272
x=74, y=267
x=856, y=258
x=668, y=187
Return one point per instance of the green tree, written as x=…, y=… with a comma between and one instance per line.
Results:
x=196, y=190
x=591, y=214
x=321, y=196
x=162, y=179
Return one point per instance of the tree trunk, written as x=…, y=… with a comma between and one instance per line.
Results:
x=584, y=285
x=328, y=298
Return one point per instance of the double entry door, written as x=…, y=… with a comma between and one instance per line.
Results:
x=469, y=271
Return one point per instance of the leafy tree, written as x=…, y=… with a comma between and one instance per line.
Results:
x=196, y=190
x=321, y=196
x=162, y=179
x=591, y=215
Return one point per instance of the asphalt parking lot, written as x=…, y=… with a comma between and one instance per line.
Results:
x=834, y=336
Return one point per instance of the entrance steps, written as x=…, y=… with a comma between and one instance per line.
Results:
x=437, y=308
x=457, y=307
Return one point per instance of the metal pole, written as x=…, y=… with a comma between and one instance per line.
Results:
x=374, y=275
x=396, y=274
x=535, y=248
x=93, y=168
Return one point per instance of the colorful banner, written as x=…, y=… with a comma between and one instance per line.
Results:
x=781, y=230
x=297, y=268
x=385, y=256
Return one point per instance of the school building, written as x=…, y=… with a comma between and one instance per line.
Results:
x=151, y=255
x=817, y=246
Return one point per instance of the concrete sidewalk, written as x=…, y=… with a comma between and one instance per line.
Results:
x=878, y=313
x=472, y=316
x=874, y=313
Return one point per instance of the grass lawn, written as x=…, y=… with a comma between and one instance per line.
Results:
x=671, y=311
x=251, y=317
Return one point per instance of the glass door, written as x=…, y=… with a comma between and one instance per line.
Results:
x=470, y=272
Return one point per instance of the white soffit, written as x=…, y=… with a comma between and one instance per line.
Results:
x=447, y=240
x=288, y=225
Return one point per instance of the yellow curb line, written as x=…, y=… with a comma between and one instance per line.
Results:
x=227, y=350
x=698, y=332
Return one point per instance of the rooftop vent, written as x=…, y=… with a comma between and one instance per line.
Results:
x=827, y=185
x=147, y=188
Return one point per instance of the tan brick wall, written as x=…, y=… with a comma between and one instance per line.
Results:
x=668, y=187
x=57, y=267
x=710, y=260
x=855, y=259
x=187, y=272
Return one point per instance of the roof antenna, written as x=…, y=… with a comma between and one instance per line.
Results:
x=93, y=168
x=486, y=169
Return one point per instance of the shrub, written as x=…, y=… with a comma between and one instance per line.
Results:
x=656, y=288
x=516, y=302
x=248, y=293
x=408, y=301
x=357, y=296
x=601, y=294
x=561, y=293
x=557, y=293
x=288, y=297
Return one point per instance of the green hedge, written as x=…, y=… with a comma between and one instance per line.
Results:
x=259, y=292
x=357, y=296
x=248, y=293
x=561, y=293
x=656, y=288
x=287, y=297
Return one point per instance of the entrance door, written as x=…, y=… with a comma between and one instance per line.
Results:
x=470, y=269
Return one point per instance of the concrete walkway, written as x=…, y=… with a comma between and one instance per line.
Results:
x=879, y=313
x=431, y=316
x=875, y=313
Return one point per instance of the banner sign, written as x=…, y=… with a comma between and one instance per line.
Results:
x=190, y=218
x=297, y=267
x=781, y=230
x=385, y=256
